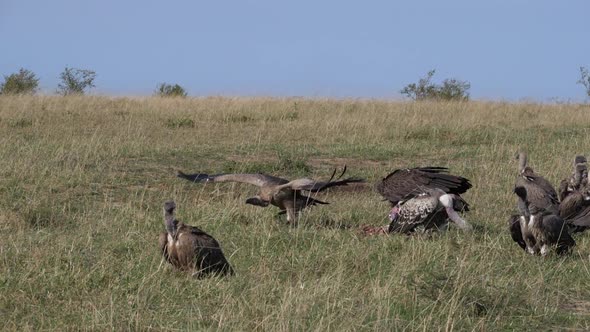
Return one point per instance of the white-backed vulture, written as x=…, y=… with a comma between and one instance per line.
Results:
x=538, y=227
x=287, y=195
x=189, y=248
x=538, y=230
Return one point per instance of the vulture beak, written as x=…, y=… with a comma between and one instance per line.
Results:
x=393, y=213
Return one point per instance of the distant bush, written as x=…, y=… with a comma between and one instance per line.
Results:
x=23, y=82
x=75, y=81
x=451, y=89
x=585, y=79
x=169, y=90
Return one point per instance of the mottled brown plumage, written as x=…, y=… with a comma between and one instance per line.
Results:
x=284, y=194
x=189, y=248
x=415, y=195
x=428, y=211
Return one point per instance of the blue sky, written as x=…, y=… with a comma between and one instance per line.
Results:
x=506, y=49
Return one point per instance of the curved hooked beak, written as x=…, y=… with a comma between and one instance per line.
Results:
x=393, y=213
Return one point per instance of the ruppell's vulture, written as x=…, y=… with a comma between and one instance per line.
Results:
x=428, y=211
x=423, y=199
x=408, y=182
x=191, y=249
x=287, y=195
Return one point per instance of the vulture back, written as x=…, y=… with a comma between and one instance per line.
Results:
x=410, y=182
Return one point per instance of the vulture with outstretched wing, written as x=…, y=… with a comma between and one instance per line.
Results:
x=424, y=198
x=189, y=248
x=404, y=183
x=287, y=195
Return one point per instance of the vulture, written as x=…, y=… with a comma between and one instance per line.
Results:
x=539, y=191
x=423, y=199
x=578, y=179
x=287, y=195
x=575, y=201
x=538, y=230
x=189, y=248
x=538, y=227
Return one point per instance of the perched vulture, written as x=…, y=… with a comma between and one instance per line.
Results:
x=539, y=191
x=578, y=179
x=538, y=230
x=189, y=248
x=287, y=195
x=423, y=198
x=575, y=204
x=538, y=227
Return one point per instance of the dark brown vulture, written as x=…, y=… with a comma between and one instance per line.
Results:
x=539, y=191
x=538, y=227
x=423, y=199
x=189, y=248
x=287, y=195
x=538, y=230
x=575, y=204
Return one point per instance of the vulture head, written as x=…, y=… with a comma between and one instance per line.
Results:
x=169, y=207
x=171, y=222
x=394, y=212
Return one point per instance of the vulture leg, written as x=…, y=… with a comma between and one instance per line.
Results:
x=447, y=201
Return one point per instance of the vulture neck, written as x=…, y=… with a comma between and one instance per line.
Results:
x=578, y=174
x=171, y=223
x=521, y=161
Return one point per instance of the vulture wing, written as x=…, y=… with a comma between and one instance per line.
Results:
x=260, y=180
x=409, y=182
x=539, y=192
x=515, y=231
x=557, y=232
x=210, y=258
x=317, y=186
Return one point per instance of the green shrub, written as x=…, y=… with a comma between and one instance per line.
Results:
x=75, y=81
x=451, y=89
x=23, y=82
x=169, y=90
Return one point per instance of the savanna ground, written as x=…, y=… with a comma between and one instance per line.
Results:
x=83, y=179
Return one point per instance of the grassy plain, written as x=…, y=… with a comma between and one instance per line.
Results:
x=83, y=179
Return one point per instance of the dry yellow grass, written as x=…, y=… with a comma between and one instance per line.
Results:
x=83, y=179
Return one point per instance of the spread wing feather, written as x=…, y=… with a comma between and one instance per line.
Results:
x=259, y=180
x=409, y=182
